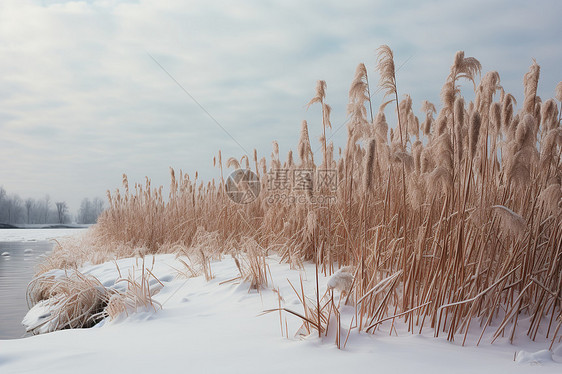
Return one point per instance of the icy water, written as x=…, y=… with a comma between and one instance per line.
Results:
x=16, y=270
x=21, y=251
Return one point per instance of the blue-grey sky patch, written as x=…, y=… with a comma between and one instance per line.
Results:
x=82, y=102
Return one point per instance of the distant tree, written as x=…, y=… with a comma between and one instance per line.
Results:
x=84, y=213
x=90, y=210
x=28, y=206
x=62, y=210
x=17, y=209
x=47, y=204
x=3, y=206
x=36, y=213
x=11, y=209
x=99, y=206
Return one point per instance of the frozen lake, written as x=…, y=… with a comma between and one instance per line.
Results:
x=21, y=250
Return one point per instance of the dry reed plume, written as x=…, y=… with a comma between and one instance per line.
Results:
x=71, y=299
x=451, y=222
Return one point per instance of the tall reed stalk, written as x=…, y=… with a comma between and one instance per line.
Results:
x=448, y=233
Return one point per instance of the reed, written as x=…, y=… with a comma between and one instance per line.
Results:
x=458, y=223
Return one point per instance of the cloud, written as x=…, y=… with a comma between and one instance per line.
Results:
x=82, y=101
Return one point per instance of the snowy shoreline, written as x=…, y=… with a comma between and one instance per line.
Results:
x=34, y=234
x=218, y=326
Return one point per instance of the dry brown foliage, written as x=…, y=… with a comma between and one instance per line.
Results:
x=442, y=233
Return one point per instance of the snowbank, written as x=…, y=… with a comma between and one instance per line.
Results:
x=218, y=327
x=33, y=235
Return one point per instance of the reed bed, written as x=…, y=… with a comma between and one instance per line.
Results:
x=69, y=299
x=445, y=221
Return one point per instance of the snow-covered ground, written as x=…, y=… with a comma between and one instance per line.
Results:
x=218, y=327
x=33, y=235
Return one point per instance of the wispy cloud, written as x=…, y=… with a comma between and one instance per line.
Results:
x=81, y=102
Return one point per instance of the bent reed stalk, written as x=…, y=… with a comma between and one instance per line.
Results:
x=466, y=216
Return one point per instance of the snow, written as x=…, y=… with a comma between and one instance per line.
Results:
x=218, y=327
x=533, y=358
x=342, y=279
x=33, y=235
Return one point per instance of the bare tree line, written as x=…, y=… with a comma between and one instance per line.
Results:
x=15, y=210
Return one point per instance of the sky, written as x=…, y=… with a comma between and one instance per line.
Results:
x=90, y=90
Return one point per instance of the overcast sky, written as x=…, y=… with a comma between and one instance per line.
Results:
x=82, y=101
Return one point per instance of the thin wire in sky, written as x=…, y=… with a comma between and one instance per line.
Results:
x=197, y=102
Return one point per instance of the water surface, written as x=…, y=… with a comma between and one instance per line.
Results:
x=21, y=251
